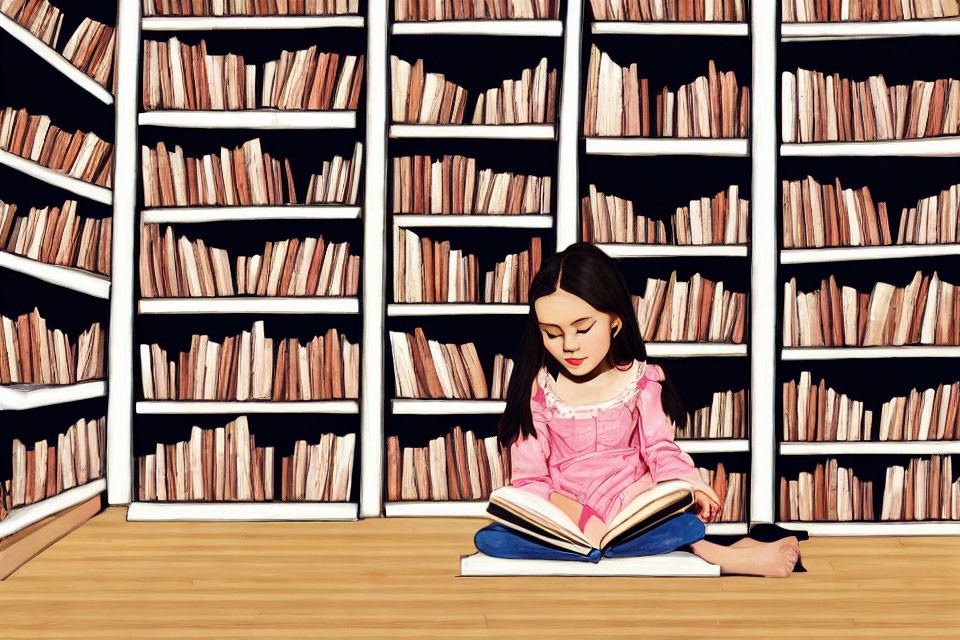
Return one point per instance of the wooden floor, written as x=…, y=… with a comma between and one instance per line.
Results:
x=398, y=577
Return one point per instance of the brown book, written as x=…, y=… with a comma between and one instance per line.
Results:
x=453, y=488
x=462, y=472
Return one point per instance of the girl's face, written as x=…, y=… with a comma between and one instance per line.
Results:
x=574, y=332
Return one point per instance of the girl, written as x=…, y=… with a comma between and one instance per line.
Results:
x=591, y=426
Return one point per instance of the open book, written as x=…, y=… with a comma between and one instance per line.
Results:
x=530, y=514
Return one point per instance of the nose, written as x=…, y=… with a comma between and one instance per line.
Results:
x=570, y=343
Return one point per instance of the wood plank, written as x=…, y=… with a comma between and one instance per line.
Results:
x=17, y=549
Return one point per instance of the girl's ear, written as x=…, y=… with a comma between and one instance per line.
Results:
x=617, y=324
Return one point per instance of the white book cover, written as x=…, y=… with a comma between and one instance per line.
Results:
x=675, y=563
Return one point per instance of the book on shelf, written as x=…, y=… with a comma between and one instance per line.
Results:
x=431, y=10
x=720, y=220
x=454, y=185
x=429, y=98
x=876, y=10
x=221, y=464
x=222, y=8
x=697, y=310
x=454, y=466
x=39, y=17
x=77, y=457
x=923, y=490
x=427, y=270
x=829, y=493
x=57, y=235
x=319, y=472
x=921, y=313
x=33, y=354
x=819, y=107
x=725, y=417
x=530, y=514
x=79, y=155
x=670, y=10
x=731, y=488
x=248, y=367
x=305, y=79
x=824, y=215
x=338, y=181
x=429, y=369
x=817, y=413
x=294, y=267
x=617, y=103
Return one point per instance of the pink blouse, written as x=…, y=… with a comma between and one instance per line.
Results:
x=601, y=455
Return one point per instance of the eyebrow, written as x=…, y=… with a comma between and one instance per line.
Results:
x=558, y=326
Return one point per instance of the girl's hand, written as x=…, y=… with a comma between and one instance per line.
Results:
x=710, y=505
x=594, y=530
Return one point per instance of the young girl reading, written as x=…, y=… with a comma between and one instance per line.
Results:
x=589, y=424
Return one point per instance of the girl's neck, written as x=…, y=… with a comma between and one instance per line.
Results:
x=593, y=388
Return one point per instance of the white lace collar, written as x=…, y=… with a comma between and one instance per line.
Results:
x=547, y=384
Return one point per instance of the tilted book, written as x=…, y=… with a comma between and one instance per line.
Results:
x=530, y=514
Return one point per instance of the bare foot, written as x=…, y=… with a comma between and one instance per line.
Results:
x=769, y=559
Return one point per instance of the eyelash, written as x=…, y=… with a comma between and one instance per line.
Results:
x=580, y=331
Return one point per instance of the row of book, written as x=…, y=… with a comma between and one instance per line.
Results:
x=819, y=107
x=30, y=353
x=617, y=103
x=428, y=98
x=429, y=369
x=244, y=176
x=225, y=464
x=183, y=76
x=79, y=155
x=817, y=413
x=866, y=11
x=250, y=7
x=725, y=417
x=453, y=185
x=921, y=491
x=90, y=48
x=830, y=492
x=698, y=310
x=818, y=215
x=731, y=488
x=246, y=367
x=670, y=10
x=76, y=458
x=426, y=270
x=57, y=235
x=429, y=10
x=922, y=312
x=185, y=268
x=454, y=466
x=721, y=219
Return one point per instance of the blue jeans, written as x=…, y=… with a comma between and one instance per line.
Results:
x=501, y=542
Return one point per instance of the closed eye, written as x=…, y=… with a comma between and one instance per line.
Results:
x=550, y=335
x=587, y=329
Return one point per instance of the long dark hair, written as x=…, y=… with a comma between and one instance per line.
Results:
x=588, y=273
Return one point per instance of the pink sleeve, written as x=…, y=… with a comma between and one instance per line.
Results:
x=662, y=455
x=528, y=457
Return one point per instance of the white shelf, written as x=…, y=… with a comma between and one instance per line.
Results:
x=56, y=60
x=221, y=23
x=694, y=349
x=623, y=250
x=942, y=146
x=250, y=119
x=22, y=517
x=735, y=147
x=417, y=407
x=438, y=508
x=839, y=353
x=187, y=215
x=498, y=221
x=887, y=447
x=56, y=178
x=812, y=31
x=241, y=511
x=915, y=528
x=841, y=254
x=456, y=309
x=68, y=277
x=488, y=131
x=626, y=27
x=715, y=445
x=188, y=407
x=533, y=28
x=726, y=528
x=250, y=304
x=16, y=397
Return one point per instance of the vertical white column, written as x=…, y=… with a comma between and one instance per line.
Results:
x=569, y=117
x=374, y=273
x=763, y=263
x=121, y=347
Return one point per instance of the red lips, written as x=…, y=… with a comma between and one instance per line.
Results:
x=575, y=362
